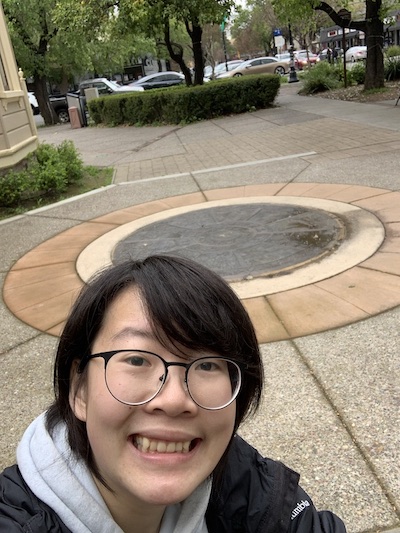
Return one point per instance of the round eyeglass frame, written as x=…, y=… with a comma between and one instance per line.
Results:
x=108, y=355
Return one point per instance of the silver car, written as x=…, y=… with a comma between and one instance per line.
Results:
x=356, y=53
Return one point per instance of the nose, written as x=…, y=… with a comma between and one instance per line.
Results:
x=173, y=398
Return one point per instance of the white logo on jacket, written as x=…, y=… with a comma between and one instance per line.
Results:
x=299, y=508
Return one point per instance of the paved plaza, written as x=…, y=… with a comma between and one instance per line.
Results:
x=233, y=189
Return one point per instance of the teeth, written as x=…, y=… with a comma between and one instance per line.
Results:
x=146, y=445
x=161, y=447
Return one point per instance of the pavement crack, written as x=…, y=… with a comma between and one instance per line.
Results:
x=156, y=139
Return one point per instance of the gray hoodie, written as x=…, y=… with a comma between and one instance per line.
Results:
x=64, y=483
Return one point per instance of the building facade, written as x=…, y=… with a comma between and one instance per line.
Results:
x=18, y=134
x=333, y=36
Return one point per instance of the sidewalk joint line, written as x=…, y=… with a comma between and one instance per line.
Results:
x=252, y=163
x=346, y=426
x=218, y=169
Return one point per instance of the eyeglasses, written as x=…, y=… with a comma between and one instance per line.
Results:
x=135, y=377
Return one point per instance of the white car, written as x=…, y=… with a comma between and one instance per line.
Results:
x=356, y=53
x=284, y=57
x=105, y=86
x=34, y=104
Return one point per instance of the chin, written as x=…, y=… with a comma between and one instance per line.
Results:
x=169, y=493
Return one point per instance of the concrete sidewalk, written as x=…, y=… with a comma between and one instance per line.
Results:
x=330, y=339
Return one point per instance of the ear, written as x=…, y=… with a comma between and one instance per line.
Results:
x=78, y=393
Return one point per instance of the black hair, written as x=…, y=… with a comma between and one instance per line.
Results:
x=186, y=303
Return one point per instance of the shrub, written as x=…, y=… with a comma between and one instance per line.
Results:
x=357, y=73
x=13, y=187
x=49, y=169
x=393, y=51
x=72, y=162
x=187, y=104
x=323, y=77
x=392, y=68
x=46, y=170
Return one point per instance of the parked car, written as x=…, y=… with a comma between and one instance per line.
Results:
x=302, y=60
x=296, y=52
x=159, y=79
x=356, y=53
x=34, y=103
x=323, y=55
x=105, y=86
x=58, y=102
x=60, y=106
x=283, y=57
x=258, y=65
x=221, y=68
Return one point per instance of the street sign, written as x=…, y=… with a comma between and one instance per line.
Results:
x=279, y=41
x=277, y=32
x=224, y=21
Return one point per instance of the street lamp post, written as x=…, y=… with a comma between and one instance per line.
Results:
x=292, y=74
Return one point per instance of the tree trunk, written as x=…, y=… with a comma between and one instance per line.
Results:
x=196, y=35
x=42, y=96
x=372, y=26
x=176, y=53
x=374, y=74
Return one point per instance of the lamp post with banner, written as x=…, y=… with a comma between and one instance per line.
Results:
x=222, y=28
x=292, y=74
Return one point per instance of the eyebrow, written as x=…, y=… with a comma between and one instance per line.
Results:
x=130, y=331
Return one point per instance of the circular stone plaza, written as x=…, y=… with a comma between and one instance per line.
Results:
x=298, y=208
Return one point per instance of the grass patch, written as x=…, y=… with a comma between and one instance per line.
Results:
x=93, y=178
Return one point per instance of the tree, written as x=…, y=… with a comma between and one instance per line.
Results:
x=58, y=40
x=33, y=34
x=371, y=25
x=193, y=15
x=253, y=28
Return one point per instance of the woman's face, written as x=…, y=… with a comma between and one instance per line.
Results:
x=114, y=429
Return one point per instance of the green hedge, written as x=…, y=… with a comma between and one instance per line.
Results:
x=182, y=104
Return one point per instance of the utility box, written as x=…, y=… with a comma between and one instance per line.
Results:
x=74, y=118
x=91, y=93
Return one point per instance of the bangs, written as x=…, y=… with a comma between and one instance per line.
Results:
x=190, y=308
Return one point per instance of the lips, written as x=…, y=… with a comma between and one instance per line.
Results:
x=146, y=445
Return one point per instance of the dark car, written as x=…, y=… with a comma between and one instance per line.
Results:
x=60, y=106
x=323, y=55
x=159, y=79
x=58, y=103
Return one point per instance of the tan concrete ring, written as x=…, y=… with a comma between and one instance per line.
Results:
x=41, y=286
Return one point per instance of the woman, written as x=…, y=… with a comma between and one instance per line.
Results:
x=156, y=368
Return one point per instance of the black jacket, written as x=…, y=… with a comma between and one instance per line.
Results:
x=257, y=495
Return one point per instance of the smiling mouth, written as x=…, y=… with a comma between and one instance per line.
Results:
x=146, y=445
